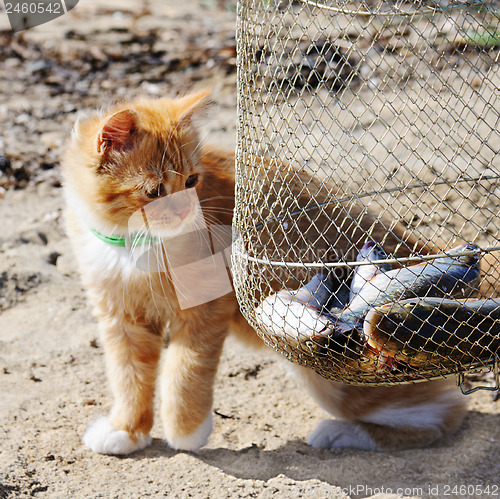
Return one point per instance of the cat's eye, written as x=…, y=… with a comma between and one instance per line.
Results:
x=157, y=192
x=191, y=181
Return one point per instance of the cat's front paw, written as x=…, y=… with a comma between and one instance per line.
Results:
x=104, y=438
x=193, y=441
x=332, y=434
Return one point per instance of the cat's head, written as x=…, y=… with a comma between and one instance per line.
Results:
x=140, y=157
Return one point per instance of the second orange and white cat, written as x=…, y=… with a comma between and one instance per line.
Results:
x=117, y=164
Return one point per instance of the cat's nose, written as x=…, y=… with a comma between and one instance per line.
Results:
x=182, y=213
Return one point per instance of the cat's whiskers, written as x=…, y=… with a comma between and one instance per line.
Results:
x=165, y=265
x=202, y=141
x=133, y=262
x=212, y=198
x=172, y=134
x=224, y=241
x=162, y=274
x=154, y=294
x=154, y=249
x=214, y=213
x=157, y=251
x=200, y=145
x=168, y=263
x=213, y=219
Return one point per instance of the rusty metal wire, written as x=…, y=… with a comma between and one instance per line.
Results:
x=368, y=121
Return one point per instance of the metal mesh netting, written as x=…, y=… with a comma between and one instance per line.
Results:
x=368, y=184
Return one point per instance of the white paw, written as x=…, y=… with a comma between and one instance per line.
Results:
x=104, y=438
x=330, y=434
x=195, y=440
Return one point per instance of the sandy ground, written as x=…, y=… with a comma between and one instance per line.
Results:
x=52, y=380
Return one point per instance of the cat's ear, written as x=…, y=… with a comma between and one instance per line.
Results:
x=192, y=104
x=118, y=131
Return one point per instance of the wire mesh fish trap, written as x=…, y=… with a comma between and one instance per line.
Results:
x=368, y=184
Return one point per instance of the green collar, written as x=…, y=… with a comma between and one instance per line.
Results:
x=122, y=241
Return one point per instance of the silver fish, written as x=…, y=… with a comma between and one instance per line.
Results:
x=370, y=252
x=454, y=276
x=318, y=291
x=289, y=313
x=301, y=317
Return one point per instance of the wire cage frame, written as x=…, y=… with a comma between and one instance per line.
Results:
x=368, y=185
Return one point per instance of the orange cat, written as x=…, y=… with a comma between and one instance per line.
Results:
x=140, y=168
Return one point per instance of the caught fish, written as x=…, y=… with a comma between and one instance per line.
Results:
x=286, y=312
x=304, y=318
x=451, y=275
x=318, y=292
x=371, y=252
x=301, y=316
x=431, y=331
x=446, y=276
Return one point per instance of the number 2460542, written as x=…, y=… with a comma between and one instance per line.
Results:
x=34, y=8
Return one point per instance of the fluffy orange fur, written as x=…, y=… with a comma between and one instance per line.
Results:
x=116, y=164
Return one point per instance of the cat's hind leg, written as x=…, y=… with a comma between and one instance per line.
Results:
x=340, y=434
x=132, y=351
x=383, y=418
